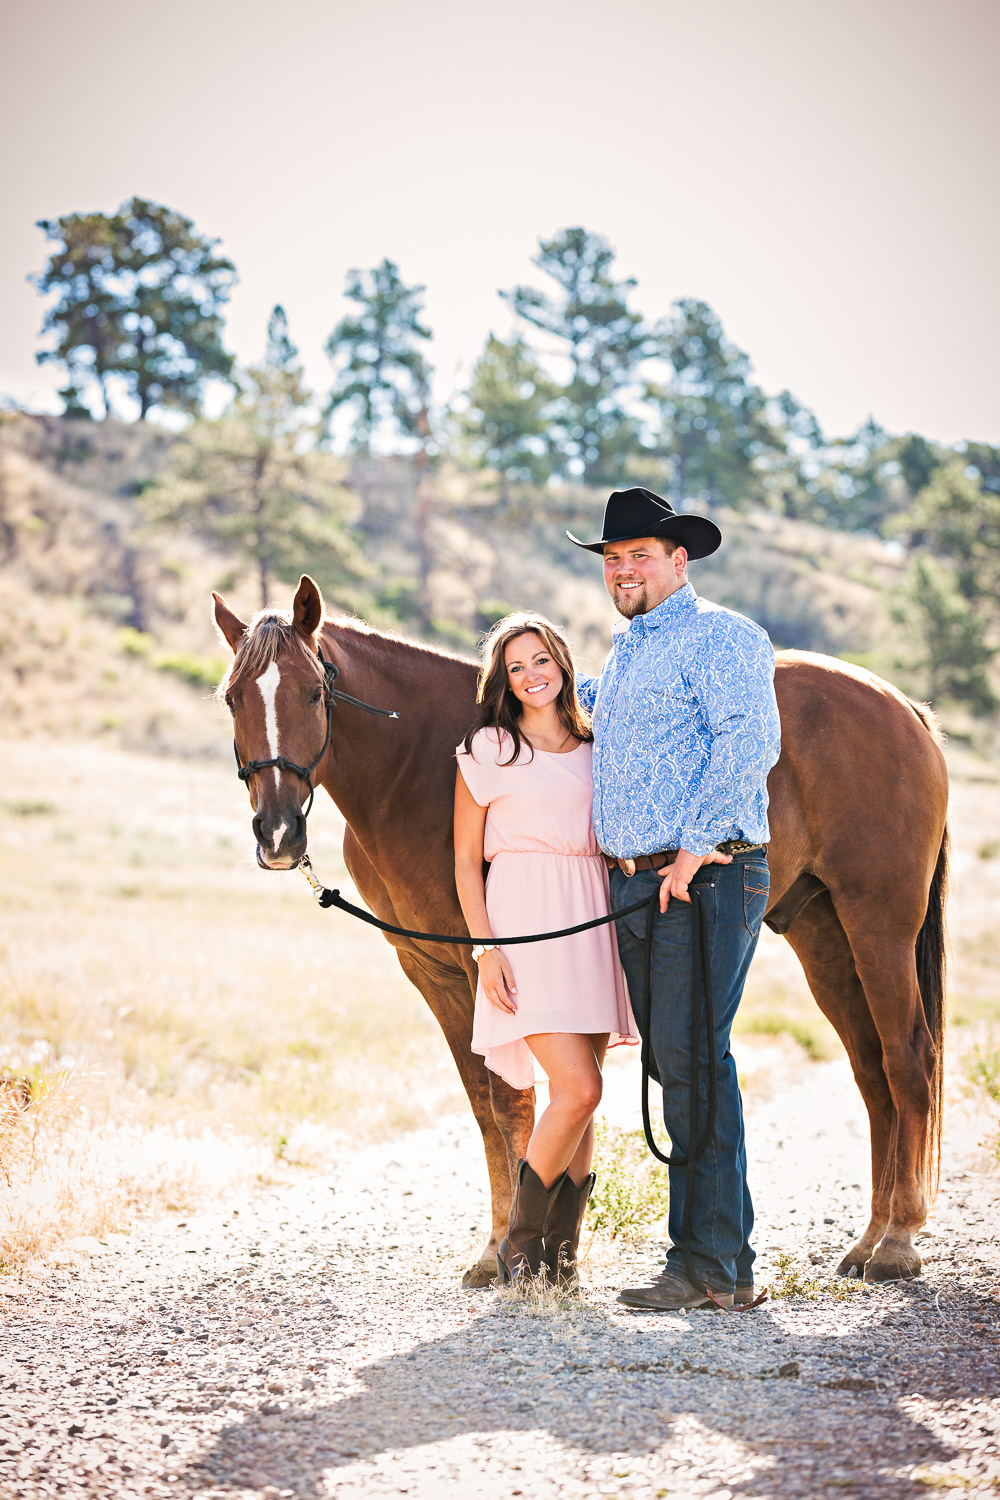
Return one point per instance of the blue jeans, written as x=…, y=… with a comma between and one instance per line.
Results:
x=734, y=898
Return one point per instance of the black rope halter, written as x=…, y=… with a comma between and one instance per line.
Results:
x=331, y=695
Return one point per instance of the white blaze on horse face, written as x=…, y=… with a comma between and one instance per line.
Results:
x=268, y=684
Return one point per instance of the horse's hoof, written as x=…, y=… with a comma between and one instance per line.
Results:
x=483, y=1273
x=892, y=1268
x=850, y=1266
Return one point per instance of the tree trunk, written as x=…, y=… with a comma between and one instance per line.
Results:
x=142, y=386
x=260, y=531
x=422, y=521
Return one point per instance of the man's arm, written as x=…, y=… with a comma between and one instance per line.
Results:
x=586, y=690
x=733, y=679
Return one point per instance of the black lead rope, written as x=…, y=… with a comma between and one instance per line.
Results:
x=701, y=985
x=701, y=977
x=328, y=898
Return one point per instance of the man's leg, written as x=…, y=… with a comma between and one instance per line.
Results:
x=734, y=900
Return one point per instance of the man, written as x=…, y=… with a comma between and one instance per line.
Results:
x=685, y=732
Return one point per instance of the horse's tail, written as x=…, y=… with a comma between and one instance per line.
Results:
x=931, y=956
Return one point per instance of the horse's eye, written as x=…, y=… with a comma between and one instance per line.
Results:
x=316, y=696
x=230, y=704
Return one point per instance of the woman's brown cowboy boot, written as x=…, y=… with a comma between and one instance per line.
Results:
x=520, y=1255
x=562, y=1233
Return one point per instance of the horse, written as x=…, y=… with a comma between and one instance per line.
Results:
x=858, y=857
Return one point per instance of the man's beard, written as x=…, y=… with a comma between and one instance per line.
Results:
x=630, y=603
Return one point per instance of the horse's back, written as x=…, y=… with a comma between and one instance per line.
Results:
x=861, y=787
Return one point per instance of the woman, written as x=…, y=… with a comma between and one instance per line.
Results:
x=523, y=802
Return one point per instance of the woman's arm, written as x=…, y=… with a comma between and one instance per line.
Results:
x=470, y=824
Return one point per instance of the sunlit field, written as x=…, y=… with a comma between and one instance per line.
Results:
x=152, y=976
x=185, y=1021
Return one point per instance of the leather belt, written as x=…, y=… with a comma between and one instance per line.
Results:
x=664, y=857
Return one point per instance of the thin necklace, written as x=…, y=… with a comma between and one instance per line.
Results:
x=567, y=736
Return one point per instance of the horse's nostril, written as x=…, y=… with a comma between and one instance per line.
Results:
x=300, y=829
x=258, y=830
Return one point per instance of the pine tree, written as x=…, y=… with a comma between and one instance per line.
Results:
x=254, y=483
x=279, y=351
x=714, y=423
x=506, y=424
x=138, y=298
x=952, y=590
x=593, y=430
x=381, y=371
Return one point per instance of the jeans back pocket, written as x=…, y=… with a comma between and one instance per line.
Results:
x=756, y=888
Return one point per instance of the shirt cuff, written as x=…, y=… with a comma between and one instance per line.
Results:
x=697, y=843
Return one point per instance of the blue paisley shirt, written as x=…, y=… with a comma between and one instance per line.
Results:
x=685, y=730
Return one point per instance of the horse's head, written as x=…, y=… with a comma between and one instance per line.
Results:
x=276, y=691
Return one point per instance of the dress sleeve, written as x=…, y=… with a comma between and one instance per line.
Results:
x=478, y=768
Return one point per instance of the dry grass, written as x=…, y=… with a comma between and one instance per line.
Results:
x=170, y=989
x=67, y=1173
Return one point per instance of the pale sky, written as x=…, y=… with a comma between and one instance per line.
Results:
x=825, y=175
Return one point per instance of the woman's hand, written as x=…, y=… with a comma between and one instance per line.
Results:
x=497, y=979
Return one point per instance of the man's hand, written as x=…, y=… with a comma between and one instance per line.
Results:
x=497, y=979
x=675, y=878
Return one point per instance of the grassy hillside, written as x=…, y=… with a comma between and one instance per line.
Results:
x=105, y=627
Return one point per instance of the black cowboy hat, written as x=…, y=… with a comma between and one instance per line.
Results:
x=638, y=512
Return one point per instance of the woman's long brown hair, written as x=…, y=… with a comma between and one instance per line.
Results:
x=498, y=707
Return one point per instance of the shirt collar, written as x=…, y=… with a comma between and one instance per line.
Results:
x=681, y=602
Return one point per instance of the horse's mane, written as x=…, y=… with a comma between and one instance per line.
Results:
x=271, y=632
x=929, y=720
x=267, y=636
x=421, y=648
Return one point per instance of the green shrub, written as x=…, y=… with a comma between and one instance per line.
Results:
x=984, y=1070
x=135, y=642
x=197, y=671
x=814, y=1035
x=792, y=1280
x=630, y=1197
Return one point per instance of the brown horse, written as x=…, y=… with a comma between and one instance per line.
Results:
x=858, y=867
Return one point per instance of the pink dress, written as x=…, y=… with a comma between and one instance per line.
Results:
x=546, y=871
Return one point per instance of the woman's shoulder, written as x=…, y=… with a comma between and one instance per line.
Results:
x=487, y=745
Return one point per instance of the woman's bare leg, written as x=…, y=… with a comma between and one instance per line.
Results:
x=563, y=1134
x=579, y=1167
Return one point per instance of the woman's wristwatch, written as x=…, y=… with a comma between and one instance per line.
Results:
x=482, y=948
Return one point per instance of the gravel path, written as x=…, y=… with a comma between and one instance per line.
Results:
x=314, y=1340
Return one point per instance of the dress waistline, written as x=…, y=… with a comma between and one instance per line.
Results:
x=558, y=853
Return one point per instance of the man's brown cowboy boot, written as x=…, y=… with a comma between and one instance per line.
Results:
x=562, y=1234
x=520, y=1255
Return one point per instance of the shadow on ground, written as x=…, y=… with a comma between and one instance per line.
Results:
x=781, y=1412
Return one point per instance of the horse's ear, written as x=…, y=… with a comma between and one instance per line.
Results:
x=231, y=627
x=307, y=607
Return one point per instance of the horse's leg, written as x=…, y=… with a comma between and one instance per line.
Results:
x=821, y=946
x=886, y=966
x=504, y=1115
